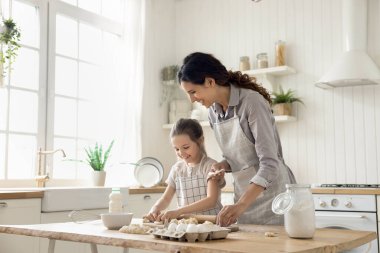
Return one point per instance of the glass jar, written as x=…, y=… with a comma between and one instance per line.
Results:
x=115, y=204
x=280, y=53
x=244, y=63
x=297, y=205
x=262, y=60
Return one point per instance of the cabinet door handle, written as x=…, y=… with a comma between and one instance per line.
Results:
x=146, y=197
x=3, y=204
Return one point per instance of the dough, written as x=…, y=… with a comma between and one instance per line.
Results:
x=270, y=234
x=135, y=229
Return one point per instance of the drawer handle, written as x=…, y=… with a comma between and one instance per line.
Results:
x=146, y=197
x=3, y=204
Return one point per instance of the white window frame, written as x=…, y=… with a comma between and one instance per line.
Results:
x=48, y=10
x=58, y=7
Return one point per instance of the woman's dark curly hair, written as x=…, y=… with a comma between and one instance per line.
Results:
x=197, y=66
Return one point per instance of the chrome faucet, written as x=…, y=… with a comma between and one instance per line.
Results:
x=42, y=175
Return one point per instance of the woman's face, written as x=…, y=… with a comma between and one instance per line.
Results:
x=186, y=149
x=203, y=94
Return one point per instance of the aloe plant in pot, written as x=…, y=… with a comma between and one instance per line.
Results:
x=97, y=161
x=282, y=102
x=97, y=158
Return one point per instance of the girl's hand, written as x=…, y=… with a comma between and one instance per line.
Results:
x=153, y=215
x=170, y=214
x=229, y=214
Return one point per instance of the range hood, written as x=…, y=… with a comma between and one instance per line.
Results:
x=355, y=67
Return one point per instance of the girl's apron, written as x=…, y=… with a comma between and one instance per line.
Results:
x=241, y=155
x=191, y=189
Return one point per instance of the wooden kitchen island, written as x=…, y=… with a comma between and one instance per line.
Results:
x=249, y=239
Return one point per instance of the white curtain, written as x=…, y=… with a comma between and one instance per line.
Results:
x=134, y=68
x=129, y=133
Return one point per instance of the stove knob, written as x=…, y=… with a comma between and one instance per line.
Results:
x=334, y=202
x=348, y=204
x=322, y=203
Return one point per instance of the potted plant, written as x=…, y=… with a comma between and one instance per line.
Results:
x=282, y=102
x=9, y=44
x=97, y=160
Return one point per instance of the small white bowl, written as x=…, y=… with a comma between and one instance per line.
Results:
x=116, y=220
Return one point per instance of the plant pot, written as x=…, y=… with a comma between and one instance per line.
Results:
x=98, y=178
x=282, y=109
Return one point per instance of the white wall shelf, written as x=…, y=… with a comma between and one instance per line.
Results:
x=278, y=119
x=274, y=71
x=267, y=76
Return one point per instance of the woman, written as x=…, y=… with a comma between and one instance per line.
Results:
x=241, y=117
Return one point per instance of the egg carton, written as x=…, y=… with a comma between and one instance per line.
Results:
x=190, y=237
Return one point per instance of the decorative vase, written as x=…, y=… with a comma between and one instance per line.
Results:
x=98, y=178
x=282, y=109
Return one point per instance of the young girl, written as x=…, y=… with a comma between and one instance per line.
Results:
x=196, y=193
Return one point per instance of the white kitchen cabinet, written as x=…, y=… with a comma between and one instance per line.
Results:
x=64, y=246
x=140, y=204
x=378, y=218
x=19, y=211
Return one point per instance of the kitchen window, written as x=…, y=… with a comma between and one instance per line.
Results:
x=62, y=88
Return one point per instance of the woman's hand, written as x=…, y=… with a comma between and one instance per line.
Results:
x=218, y=170
x=153, y=214
x=223, y=165
x=170, y=214
x=229, y=214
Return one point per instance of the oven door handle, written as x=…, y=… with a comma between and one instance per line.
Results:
x=340, y=216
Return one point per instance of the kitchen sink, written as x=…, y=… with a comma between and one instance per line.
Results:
x=67, y=199
x=56, y=199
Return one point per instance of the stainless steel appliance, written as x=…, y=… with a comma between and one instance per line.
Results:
x=353, y=212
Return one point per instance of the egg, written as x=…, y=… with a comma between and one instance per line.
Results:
x=174, y=221
x=192, y=228
x=172, y=227
x=203, y=228
x=181, y=227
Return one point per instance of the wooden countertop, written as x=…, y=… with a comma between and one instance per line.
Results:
x=249, y=239
x=25, y=194
x=352, y=191
x=21, y=194
x=322, y=190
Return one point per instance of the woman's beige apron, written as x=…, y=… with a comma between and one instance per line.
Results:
x=241, y=155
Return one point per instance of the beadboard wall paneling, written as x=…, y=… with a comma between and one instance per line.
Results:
x=336, y=138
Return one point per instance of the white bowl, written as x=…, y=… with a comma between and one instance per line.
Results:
x=116, y=220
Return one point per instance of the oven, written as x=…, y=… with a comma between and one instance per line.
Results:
x=353, y=212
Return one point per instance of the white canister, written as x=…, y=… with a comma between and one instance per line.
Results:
x=298, y=207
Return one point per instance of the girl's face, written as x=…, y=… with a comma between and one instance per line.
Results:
x=186, y=149
x=203, y=94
